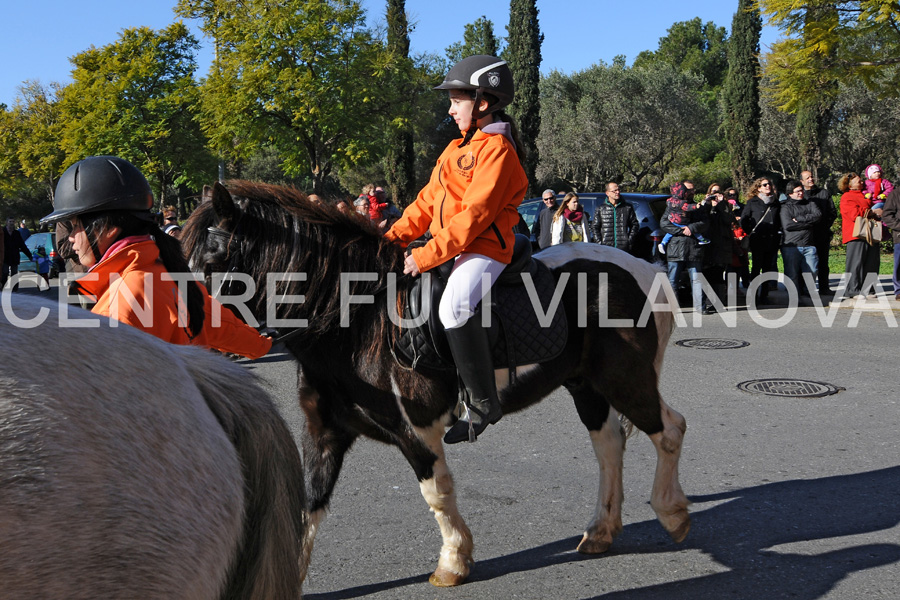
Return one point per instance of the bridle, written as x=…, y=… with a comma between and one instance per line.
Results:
x=234, y=247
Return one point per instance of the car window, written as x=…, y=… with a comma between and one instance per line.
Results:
x=530, y=211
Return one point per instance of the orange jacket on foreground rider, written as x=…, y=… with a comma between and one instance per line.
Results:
x=105, y=203
x=128, y=291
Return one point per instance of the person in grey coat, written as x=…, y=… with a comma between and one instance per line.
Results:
x=799, y=217
x=543, y=223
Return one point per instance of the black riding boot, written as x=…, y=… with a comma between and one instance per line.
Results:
x=472, y=354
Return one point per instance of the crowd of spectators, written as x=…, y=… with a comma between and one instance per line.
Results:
x=718, y=234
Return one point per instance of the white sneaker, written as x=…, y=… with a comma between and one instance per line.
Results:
x=843, y=302
x=661, y=247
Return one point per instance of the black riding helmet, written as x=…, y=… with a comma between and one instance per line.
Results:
x=486, y=76
x=101, y=184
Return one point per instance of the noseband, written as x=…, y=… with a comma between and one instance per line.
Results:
x=234, y=248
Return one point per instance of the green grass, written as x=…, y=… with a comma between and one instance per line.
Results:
x=837, y=261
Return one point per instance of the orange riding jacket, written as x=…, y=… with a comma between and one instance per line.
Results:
x=128, y=262
x=469, y=205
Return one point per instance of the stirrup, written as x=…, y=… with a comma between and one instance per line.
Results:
x=455, y=434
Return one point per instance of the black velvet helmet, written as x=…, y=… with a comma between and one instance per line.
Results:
x=485, y=75
x=101, y=183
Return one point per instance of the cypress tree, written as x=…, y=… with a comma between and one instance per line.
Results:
x=741, y=93
x=399, y=157
x=478, y=38
x=523, y=53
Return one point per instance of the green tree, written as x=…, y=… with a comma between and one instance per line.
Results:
x=304, y=76
x=612, y=123
x=695, y=47
x=30, y=156
x=478, y=38
x=399, y=156
x=136, y=98
x=855, y=39
x=740, y=93
x=19, y=193
x=523, y=53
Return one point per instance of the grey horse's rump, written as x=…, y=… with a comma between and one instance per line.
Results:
x=119, y=473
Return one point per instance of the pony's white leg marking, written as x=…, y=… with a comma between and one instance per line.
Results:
x=455, y=561
x=315, y=519
x=667, y=497
x=609, y=446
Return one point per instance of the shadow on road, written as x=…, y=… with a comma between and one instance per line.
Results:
x=741, y=534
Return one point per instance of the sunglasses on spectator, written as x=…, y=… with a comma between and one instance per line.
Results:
x=765, y=185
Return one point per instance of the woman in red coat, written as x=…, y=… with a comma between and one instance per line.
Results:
x=862, y=259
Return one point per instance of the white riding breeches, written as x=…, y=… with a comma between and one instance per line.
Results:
x=472, y=277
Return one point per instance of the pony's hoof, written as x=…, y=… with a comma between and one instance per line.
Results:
x=680, y=532
x=589, y=546
x=444, y=578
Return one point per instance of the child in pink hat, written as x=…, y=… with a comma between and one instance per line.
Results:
x=877, y=189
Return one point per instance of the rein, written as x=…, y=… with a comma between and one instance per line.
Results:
x=235, y=249
x=298, y=330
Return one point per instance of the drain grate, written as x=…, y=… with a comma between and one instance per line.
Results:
x=789, y=388
x=712, y=344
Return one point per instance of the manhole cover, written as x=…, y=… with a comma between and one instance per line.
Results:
x=712, y=344
x=790, y=388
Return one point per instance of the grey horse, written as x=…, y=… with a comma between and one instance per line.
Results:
x=132, y=468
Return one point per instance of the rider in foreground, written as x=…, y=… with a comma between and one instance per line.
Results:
x=469, y=206
x=104, y=202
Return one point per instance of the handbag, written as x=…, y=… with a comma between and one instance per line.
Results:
x=868, y=230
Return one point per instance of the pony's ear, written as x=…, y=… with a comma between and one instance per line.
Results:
x=206, y=196
x=223, y=205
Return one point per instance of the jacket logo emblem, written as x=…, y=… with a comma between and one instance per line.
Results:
x=466, y=162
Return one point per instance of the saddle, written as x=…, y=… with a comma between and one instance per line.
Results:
x=516, y=335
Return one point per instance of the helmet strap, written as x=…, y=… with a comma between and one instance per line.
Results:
x=476, y=114
x=93, y=238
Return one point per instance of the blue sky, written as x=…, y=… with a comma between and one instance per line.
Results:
x=38, y=36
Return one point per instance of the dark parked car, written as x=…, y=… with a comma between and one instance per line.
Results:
x=48, y=242
x=648, y=208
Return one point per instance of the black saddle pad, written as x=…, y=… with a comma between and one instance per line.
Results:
x=517, y=334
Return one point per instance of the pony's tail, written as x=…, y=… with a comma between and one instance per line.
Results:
x=266, y=565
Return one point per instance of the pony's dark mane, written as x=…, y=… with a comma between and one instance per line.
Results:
x=282, y=231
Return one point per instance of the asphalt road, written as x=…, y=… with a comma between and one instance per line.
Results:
x=792, y=497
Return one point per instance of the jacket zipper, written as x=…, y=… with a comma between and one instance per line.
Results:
x=499, y=237
x=443, y=189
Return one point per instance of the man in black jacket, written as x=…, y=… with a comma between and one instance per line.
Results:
x=12, y=243
x=890, y=216
x=822, y=230
x=615, y=223
x=542, y=224
x=799, y=218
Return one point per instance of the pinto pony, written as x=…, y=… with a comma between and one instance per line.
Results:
x=351, y=384
x=132, y=468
